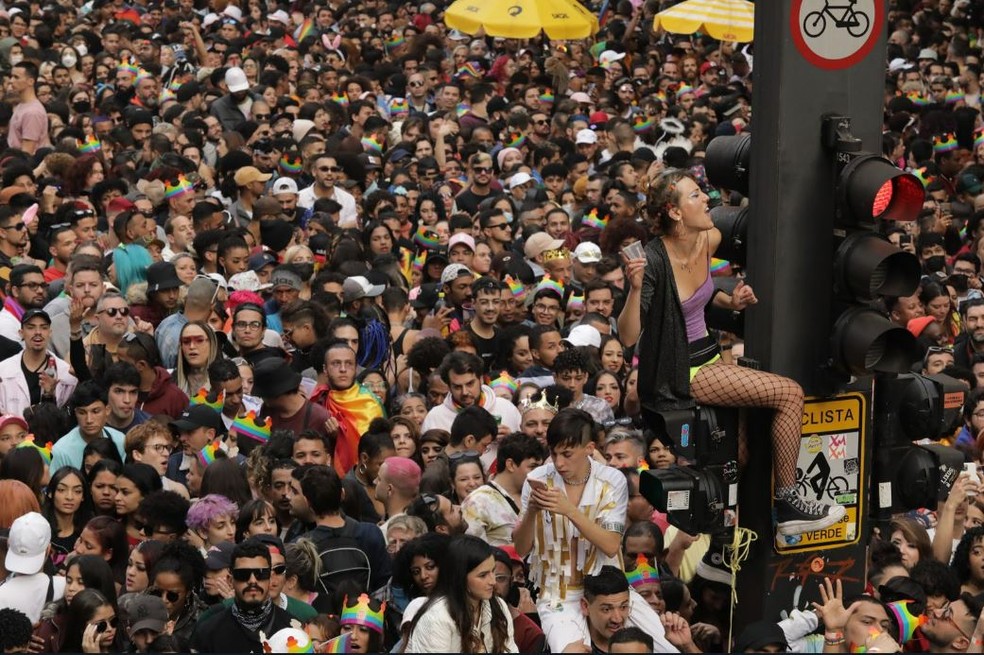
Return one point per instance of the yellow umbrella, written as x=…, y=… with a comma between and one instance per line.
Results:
x=724, y=20
x=562, y=20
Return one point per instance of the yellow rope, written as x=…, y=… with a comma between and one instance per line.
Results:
x=740, y=548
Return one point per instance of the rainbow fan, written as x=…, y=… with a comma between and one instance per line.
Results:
x=905, y=619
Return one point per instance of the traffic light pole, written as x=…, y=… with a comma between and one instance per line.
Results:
x=790, y=254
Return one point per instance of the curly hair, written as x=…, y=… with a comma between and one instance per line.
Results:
x=618, y=231
x=208, y=508
x=961, y=556
x=427, y=354
x=664, y=195
x=15, y=630
x=571, y=359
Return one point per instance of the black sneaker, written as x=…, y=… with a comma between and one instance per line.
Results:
x=713, y=566
x=796, y=515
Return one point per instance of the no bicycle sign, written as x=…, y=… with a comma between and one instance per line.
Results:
x=836, y=34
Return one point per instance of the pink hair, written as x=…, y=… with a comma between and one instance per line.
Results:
x=404, y=474
x=237, y=298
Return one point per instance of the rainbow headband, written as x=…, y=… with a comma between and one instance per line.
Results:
x=292, y=166
x=395, y=42
x=547, y=97
x=202, y=398
x=591, y=219
x=179, y=187
x=425, y=238
x=44, y=452
x=399, y=107
x=90, y=145
x=505, y=381
x=550, y=284
x=905, y=619
x=361, y=614
x=207, y=454
x=643, y=573
x=141, y=76
x=248, y=426
x=516, y=287
x=371, y=145
x=978, y=138
x=944, y=143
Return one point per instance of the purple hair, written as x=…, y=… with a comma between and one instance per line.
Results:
x=208, y=508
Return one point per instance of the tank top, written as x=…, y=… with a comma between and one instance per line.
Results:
x=693, y=310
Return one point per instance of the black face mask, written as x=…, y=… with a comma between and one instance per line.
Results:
x=935, y=264
x=305, y=271
x=960, y=282
x=512, y=598
x=82, y=107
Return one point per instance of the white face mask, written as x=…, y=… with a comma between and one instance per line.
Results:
x=16, y=59
x=69, y=60
x=81, y=49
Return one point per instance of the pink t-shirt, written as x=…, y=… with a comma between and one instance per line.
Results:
x=30, y=121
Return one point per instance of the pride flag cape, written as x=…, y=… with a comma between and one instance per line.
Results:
x=354, y=409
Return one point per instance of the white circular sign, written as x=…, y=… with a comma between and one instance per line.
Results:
x=835, y=34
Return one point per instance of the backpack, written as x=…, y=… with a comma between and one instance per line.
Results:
x=342, y=560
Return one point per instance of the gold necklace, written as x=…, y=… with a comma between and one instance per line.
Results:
x=684, y=262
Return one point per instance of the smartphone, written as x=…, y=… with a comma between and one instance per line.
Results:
x=537, y=484
x=51, y=371
x=905, y=239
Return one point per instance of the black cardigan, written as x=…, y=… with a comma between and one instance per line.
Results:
x=664, y=357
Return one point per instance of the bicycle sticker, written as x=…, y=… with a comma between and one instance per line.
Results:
x=836, y=34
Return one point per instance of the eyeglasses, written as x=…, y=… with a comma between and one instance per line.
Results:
x=540, y=307
x=193, y=339
x=161, y=448
x=243, y=575
x=945, y=613
x=170, y=596
x=16, y=226
x=113, y=312
x=247, y=325
x=105, y=624
x=33, y=286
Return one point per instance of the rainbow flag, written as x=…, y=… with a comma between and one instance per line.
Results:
x=547, y=97
x=516, y=140
x=339, y=644
x=419, y=260
x=203, y=398
x=978, y=138
x=425, y=238
x=290, y=164
x=642, y=124
x=643, y=465
x=399, y=108
x=953, y=97
x=354, y=409
x=905, y=619
x=304, y=30
x=944, y=143
x=178, y=187
x=469, y=69
x=248, y=426
x=340, y=99
x=591, y=219
x=207, y=454
x=90, y=145
x=462, y=109
x=371, y=145
x=45, y=452
x=515, y=287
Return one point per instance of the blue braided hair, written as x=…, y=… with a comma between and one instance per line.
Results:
x=374, y=345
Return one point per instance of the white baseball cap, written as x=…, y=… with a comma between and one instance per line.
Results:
x=519, y=178
x=360, y=287
x=584, y=335
x=284, y=185
x=236, y=80
x=586, y=136
x=247, y=281
x=608, y=57
x=453, y=272
x=587, y=253
x=281, y=17
x=27, y=544
x=461, y=238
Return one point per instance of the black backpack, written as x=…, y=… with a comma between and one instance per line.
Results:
x=342, y=560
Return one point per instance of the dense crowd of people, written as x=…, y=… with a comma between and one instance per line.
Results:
x=329, y=328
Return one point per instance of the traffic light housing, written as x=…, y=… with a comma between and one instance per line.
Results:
x=908, y=408
x=699, y=494
x=868, y=190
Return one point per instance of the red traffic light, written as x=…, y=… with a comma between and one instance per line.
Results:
x=874, y=189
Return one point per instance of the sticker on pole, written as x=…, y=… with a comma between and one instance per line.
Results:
x=835, y=34
x=830, y=468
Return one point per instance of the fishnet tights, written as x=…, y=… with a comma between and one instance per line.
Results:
x=728, y=385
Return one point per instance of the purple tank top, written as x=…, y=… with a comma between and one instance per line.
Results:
x=693, y=310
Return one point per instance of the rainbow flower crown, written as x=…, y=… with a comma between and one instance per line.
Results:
x=250, y=427
x=683, y=90
x=362, y=614
x=505, y=381
x=202, y=398
x=643, y=573
x=45, y=452
x=207, y=454
x=944, y=143
x=178, y=187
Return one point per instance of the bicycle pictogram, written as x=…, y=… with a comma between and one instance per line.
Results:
x=854, y=21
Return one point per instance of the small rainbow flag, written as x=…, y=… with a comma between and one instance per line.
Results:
x=978, y=138
x=247, y=426
x=203, y=398
x=905, y=619
x=505, y=381
x=90, y=145
x=516, y=287
x=643, y=465
x=643, y=573
x=469, y=69
x=953, y=97
x=304, y=30
x=207, y=454
x=683, y=90
x=547, y=97
x=44, y=452
x=395, y=42
x=371, y=145
x=462, y=109
x=179, y=187
x=591, y=219
x=339, y=644
x=923, y=176
x=290, y=164
x=576, y=301
x=944, y=143
x=720, y=266
x=550, y=284
x=425, y=238
x=419, y=260
x=642, y=124
x=340, y=99
x=516, y=140
x=399, y=108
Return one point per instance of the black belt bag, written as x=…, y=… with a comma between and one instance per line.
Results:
x=703, y=350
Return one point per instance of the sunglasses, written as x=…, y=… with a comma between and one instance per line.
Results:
x=330, y=169
x=193, y=339
x=280, y=569
x=243, y=575
x=170, y=596
x=482, y=169
x=453, y=457
x=113, y=312
x=105, y=624
x=415, y=83
x=261, y=117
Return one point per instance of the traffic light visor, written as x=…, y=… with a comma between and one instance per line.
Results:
x=865, y=341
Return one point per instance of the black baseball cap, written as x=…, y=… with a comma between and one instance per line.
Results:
x=34, y=313
x=198, y=416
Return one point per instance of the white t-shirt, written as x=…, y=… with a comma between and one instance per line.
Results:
x=347, y=217
x=28, y=593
